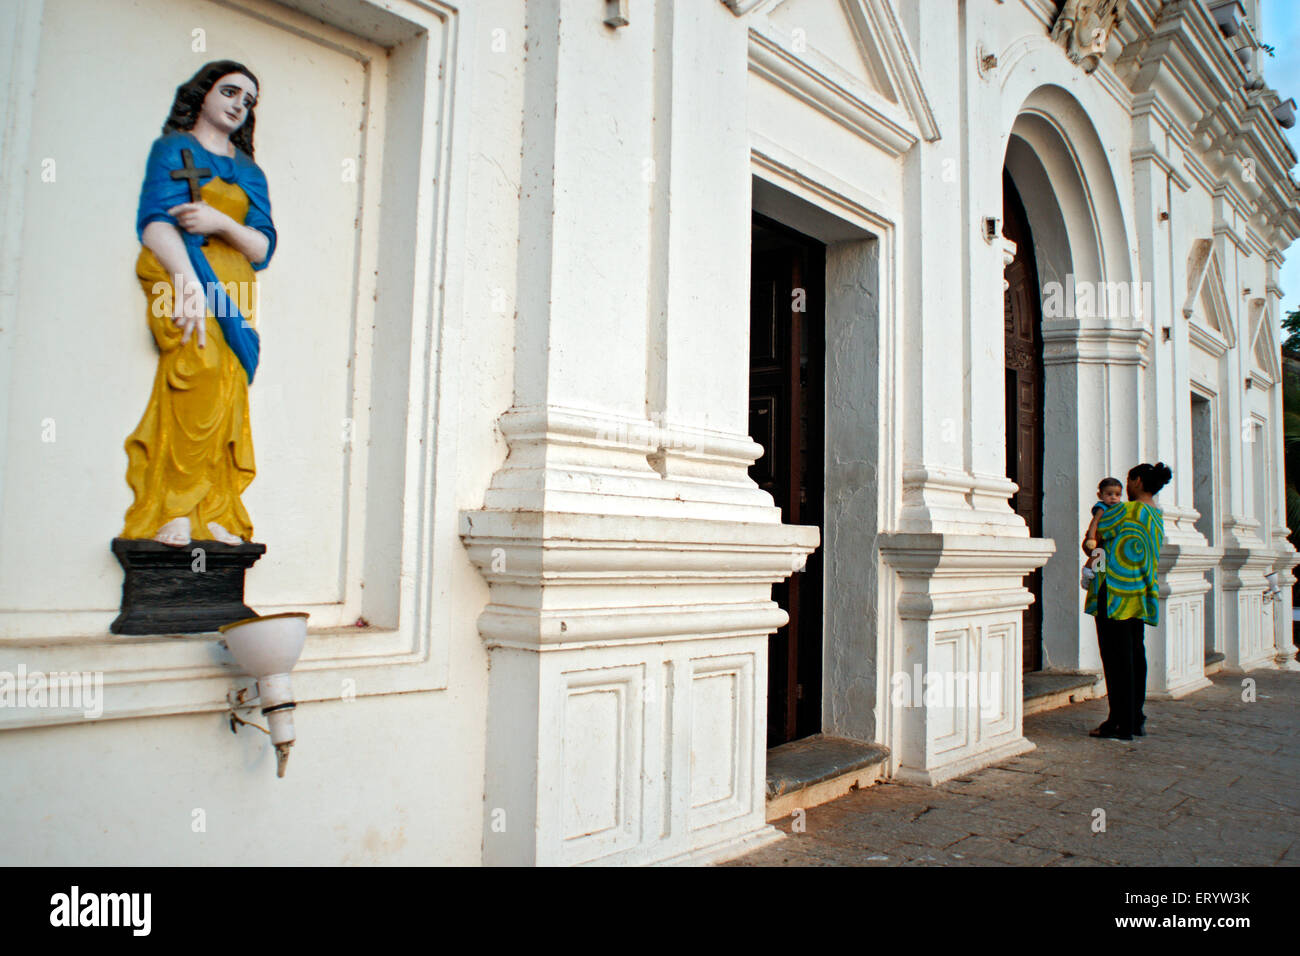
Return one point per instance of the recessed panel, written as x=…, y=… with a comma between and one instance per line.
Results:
x=79, y=381
x=722, y=732
x=592, y=743
x=945, y=683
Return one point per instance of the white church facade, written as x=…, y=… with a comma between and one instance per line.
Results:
x=644, y=384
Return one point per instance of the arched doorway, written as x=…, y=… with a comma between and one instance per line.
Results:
x=1060, y=194
x=1023, y=340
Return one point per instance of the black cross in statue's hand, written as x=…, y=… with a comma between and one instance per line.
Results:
x=188, y=172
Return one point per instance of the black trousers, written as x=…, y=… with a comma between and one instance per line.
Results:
x=1124, y=662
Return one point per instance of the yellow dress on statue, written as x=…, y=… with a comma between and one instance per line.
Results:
x=192, y=453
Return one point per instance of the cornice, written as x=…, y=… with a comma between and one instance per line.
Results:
x=1182, y=59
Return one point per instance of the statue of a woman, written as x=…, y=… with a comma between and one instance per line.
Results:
x=204, y=222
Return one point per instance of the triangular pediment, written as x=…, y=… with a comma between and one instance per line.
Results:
x=859, y=46
x=1207, y=303
x=1264, y=351
x=1208, y=312
x=838, y=30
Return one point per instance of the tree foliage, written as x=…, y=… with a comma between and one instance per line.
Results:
x=1291, y=326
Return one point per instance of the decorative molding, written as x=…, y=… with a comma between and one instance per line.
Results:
x=587, y=461
x=1205, y=278
x=745, y=7
x=1084, y=28
x=1178, y=56
x=1198, y=263
x=1207, y=340
x=1223, y=230
x=596, y=579
x=928, y=555
x=943, y=500
x=877, y=28
x=1263, y=342
x=1150, y=154
x=1077, y=344
x=901, y=63
x=796, y=76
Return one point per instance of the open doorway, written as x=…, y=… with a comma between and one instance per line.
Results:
x=1203, y=494
x=1023, y=331
x=787, y=372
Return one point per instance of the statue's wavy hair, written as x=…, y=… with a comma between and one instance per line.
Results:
x=190, y=96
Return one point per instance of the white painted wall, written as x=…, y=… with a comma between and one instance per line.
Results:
x=511, y=277
x=389, y=763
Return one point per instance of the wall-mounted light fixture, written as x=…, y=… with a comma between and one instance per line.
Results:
x=266, y=648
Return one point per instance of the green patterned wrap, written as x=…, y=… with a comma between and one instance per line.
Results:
x=1131, y=534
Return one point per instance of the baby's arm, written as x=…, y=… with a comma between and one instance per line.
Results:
x=1090, y=537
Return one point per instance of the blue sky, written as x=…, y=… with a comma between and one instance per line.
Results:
x=1281, y=30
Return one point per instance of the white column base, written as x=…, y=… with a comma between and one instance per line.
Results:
x=1181, y=690
x=727, y=849
x=627, y=687
x=987, y=758
x=952, y=680
x=1249, y=640
x=1176, y=647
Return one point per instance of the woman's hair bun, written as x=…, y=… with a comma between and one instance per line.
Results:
x=1153, y=477
x=1156, y=478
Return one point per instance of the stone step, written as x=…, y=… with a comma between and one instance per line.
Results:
x=1047, y=690
x=815, y=770
x=1214, y=662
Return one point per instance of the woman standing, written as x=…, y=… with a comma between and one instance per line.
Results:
x=204, y=222
x=1125, y=597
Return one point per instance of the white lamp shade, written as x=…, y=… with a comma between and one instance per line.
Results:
x=267, y=645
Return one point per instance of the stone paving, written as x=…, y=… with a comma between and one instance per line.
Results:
x=1215, y=782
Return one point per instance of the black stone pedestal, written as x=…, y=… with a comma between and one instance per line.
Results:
x=182, y=590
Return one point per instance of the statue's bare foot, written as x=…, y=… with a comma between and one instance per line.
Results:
x=221, y=534
x=175, y=533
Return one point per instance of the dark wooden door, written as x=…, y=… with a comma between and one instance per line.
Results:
x=787, y=357
x=1022, y=319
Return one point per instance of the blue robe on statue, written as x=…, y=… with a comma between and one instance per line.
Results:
x=161, y=192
